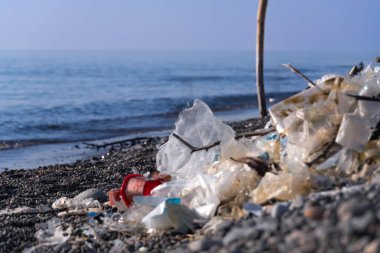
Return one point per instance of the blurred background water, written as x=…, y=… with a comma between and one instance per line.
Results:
x=72, y=96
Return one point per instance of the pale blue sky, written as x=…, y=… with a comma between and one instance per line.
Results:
x=188, y=24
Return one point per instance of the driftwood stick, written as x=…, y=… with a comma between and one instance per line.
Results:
x=261, y=11
x=249, y=134
x=365, y=98
x=294, y=70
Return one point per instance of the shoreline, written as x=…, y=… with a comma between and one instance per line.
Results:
x=34, y=156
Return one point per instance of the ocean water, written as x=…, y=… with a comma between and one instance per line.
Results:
x=49, y=97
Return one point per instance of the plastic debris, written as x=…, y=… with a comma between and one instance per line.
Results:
x=25, y=210
x=135, y=185
x=170, y=214
x=51, y=233
x=90, y=198
x=325, y=133
x=118, y=246
x=197, y=125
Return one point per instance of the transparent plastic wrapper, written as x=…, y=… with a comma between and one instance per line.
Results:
x=198, y=193
x=199, y=127
x=355, y=131
x=283, y=186
x=371, y=88
x=51, y=233
x=234, y=181
x=222, y=181
x=170, y=214
x=311, y=118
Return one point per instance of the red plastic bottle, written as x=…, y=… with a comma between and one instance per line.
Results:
x=136, y=184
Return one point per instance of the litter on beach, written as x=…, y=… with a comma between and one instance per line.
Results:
x=212, y=171
x=205, y=170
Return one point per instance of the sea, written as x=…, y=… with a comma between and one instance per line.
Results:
x=51, y=102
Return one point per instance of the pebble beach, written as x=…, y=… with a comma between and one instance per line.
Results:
x=343, y=219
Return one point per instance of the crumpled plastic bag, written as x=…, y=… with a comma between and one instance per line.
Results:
x=205, y=178
x=198, y=126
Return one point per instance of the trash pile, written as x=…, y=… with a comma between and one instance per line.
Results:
x=326, y=133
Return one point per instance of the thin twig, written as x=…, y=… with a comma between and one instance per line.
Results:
x=194, y=149
x=365, y=98
x=249, y=134
x=294, y=70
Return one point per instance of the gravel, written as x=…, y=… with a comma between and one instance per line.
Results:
x=340, y=220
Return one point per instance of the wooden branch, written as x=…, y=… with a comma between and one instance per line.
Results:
x=249, y=134
x=259, y=165
x=261, y=11
x=294, y=70
x=195, y=149
x=365, y=98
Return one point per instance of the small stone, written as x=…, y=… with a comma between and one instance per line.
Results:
x=372, y=247
x=362, y=223
x=203, y=245
x=279, y=209
x=253, y=208
x=352, y=208
x=143, y=249
x=237, y=233
x=313, y=212
x=298, y=202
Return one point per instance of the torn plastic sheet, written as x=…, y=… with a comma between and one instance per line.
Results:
x=355, y=131
x=283, y=186
x=51, y=233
